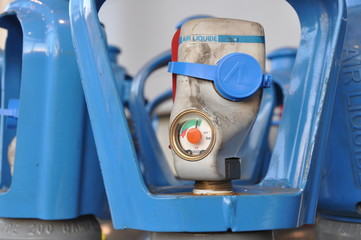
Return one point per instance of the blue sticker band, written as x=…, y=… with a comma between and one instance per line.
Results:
x=222, y=38
x=240, y=39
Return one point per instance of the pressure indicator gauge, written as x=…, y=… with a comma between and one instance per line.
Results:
x=192, y=135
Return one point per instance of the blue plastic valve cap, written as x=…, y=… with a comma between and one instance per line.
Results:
x=236, y=76
x=239, y=76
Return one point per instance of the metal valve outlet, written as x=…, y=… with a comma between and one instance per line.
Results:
x=219, y=84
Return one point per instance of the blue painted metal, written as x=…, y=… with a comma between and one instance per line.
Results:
x=282, y=62
x=287, y=196
x=151, y=106
x=4, y=166
x=12, y=54
x=56, y=174
x=299, y=149
x=255, y=152
x=341, y=178
x=123, y=80
x=155, y=169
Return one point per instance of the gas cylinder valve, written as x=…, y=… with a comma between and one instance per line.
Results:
x=219, y=80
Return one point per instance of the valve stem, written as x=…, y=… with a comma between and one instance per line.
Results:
x=212, y=187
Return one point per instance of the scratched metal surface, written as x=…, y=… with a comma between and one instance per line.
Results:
x=340, y=192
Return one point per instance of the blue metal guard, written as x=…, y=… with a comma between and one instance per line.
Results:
x=56, y=173
x=255, y=151
x=157, y=173
x=291, y=183
x=340, y=192
x=151, y=106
